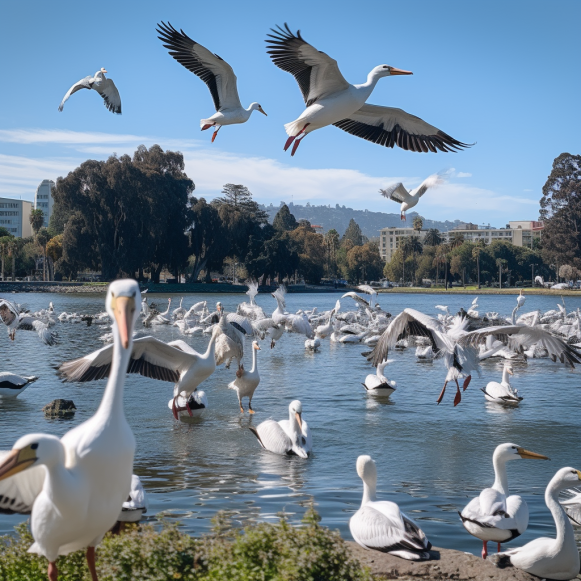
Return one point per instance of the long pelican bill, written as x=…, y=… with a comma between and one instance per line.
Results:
x=527, y=454
x=299, y=420
x=123, y=309
x=17, y=461
x=395, y=71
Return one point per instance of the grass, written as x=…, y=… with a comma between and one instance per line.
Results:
x=474, y=290
x=259, y=552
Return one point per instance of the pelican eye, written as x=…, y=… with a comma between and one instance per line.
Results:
x=385, y=67
x=33, y=446
x=514, y=447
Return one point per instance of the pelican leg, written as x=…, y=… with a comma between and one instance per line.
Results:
x=442, y=393
x=289, y=141
x=272, y=343
x=189, y=408
x=402, y=217
x=458, y=397
x=250, y=410
x=466, y=383
x=91, y=563
x=216, y=133
x=207, y=126
x=240, y=404
x=484, y=550
x=498, y=547
x=53, y=573
x=297, y=143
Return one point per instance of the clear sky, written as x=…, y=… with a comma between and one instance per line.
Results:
x=502, y=74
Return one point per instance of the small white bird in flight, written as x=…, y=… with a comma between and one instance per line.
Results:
x=331, y=100
x=214, y=71
x=398, y=193
x=105, y=87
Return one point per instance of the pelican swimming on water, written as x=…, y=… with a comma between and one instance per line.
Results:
x=75, y=486
x=215, y=72
x=494, y=515
x=12, y=385
x=331, y=100
x=381, y=526
x=502, y=392
x=377, y=384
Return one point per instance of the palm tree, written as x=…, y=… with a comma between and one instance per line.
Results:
x=476, y=255
x=457, y=239
x=500, y=262
x=442, y=258
x=415, y=246
x=43, y=237
x=13, y=248
x=4, y=241
x=432, y=237
x=418, y=223
x=36, y=220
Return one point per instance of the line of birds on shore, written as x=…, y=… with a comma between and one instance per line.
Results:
x=74, y=487
x=329, y=98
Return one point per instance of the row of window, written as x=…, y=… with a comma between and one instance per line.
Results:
x=5, y=221
x=8, y=205
x=9, y=213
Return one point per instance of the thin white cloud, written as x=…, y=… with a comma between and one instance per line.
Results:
x=527, y=190
x=463, y=174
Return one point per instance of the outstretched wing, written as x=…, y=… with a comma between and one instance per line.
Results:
x=395, y=192
x=82, y=84
x=107, y=89
x=317, y=74
x=389, y=126
x=213, y=70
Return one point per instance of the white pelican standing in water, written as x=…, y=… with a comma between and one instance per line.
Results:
x=381, y=526
x=215, y=72
x=545, y=557
x=245, y=385
x=75, y=487
x=291, y=437
x=494, y=516
x=331, y=100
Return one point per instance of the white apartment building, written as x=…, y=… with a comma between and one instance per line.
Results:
x=15, y=217
x=519, y=233
x=43, y=199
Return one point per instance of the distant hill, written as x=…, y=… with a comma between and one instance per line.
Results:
x=370, y=222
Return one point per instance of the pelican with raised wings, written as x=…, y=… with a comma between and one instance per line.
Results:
x=331, y=100
x=398, y=193
x=494, y=515
x=104, y=86
x=215, y=72
x=74, y=487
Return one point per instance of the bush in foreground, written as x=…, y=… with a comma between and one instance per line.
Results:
x=259, y=552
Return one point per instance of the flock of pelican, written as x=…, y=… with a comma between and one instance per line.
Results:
x=77, y=487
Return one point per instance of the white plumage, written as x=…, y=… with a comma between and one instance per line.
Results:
x=503, y=392
x=246, y=383
x=105, y=87
x=12, y=385
x=377, y=384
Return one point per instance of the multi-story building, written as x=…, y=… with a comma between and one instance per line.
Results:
x=519, y=233
x=43, y=199
x=15, y=217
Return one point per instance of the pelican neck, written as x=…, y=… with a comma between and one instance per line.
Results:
x=505, y=379
x=368, y=492
x=254, y=359
x=562, y=523
x=500, y=477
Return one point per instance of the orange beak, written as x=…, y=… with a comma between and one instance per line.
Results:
x=395, y=71
x=124, y=309
x=298, y=416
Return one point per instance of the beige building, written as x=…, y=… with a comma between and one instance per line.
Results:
x=43, y=199
x=15, y=217
x=519, y=233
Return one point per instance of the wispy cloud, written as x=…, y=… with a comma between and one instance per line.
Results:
x=268, y=179
x=463, y=174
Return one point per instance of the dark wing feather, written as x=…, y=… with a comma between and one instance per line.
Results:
x=389, y=126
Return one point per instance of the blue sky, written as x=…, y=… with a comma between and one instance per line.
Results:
x=501, y=74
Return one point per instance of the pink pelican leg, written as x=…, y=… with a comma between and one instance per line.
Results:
x=442, y=393
x=458, y=397
x=292, y=138
x=484, y=550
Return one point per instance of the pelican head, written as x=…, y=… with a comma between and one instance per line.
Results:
x=367, y=470
x=256, y=346
x=566, y=478
x=121, y=307
x=31, y=450
x=103, y=70
x=388, y=71
x=296, y=409
x=507, y=452
x=508, y=367
x=257, y=107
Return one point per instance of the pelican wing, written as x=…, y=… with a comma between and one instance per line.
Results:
x=18, y=492
x=107, y=89
x=521, y=337
x=82, y=84
x=389, y=126
x=359, y=300
x=409, y=322
x=317, y=74
x=28, y=323
x=431, y=182
x=272, y=437
x=396, y=192
x=365, y=288
x=240, y=323
x=213, y=70
x=150, y=358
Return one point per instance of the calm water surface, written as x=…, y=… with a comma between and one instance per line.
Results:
x=431, y=459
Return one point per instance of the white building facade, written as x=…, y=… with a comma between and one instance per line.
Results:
x=519, y=233
x=43, y=200
x=15, y=217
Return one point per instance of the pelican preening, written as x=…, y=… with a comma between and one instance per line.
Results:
x=494, y=515
x=381, y=526
x=215, y=72
x=398, y=193
x=105, y=87
x=75, y=487
x=331, y=100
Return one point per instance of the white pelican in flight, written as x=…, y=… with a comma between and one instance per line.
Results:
x=494, y=516
x=215, y=72
x=331, y=100
x=75, y=487
x=398, y=193
x=545, y=557
x=381, y=526
x=105, y=87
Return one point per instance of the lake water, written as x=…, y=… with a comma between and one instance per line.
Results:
x=431, y=459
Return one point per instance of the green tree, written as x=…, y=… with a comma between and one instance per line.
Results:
x=456, y=239
x=43, y=237
x=432, y=237
x=4, y=244
x=561, y=212
x=476, y=251
x=284, y=221
x=4, y=232
x=332, y=244
x=418, y=223
x=239, y=197
x=353, y=233
x=311, y=249
x=36, y=219
x=13, y=247
x=365, y=262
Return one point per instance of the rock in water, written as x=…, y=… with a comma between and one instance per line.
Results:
x=62, y=408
